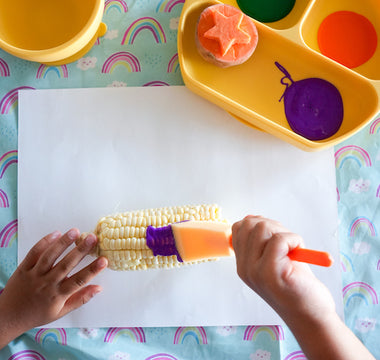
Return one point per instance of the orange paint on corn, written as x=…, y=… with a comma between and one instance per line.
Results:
x=227, y=34
x=348, y=38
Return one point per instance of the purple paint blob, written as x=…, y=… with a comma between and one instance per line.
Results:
x=313, y=106
x=161, y=241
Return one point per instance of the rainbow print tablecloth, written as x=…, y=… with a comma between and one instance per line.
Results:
x=139, y=49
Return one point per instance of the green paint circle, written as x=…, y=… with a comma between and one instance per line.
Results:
x=266, y=10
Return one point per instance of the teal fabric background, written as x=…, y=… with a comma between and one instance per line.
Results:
x=156, y=64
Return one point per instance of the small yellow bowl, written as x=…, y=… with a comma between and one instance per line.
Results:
x=49, y=31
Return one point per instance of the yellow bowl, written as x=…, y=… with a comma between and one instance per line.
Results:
x=251, y=91
x=50, y=31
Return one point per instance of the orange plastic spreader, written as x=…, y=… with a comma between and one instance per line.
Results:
x=199, y=240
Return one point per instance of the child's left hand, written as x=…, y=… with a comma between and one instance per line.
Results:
x=40, y=290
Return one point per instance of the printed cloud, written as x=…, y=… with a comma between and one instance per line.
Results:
x=88, y=333
x=87, y=63
x=116, y=83
x=358, y=186
x=118, y=355
x=260, y=355
x=111, y=34
x=226, y=330
x=361, y=248
x=365, y=325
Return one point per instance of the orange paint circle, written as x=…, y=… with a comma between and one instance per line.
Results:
x=348, y=38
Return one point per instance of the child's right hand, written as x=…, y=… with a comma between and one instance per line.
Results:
x=304, y=303
x=261, y=247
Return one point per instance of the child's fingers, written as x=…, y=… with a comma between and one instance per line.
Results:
x=82, y=237
x=54, y=251
x=259, y=236
x=279, y=246
x=254, y=234
x=73, y=258
x=80, y=298
x=82, y=277
x=241, y=230
x=37, y=250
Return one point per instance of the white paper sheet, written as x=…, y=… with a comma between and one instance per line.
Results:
x=86, y=153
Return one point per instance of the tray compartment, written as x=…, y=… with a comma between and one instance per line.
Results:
x=321, y=9
x=292, y=19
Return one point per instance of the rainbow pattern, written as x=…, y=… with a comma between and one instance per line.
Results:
x=346, y=263
x=59, y=336
x=361, y=290
x=120, y=5
x=296, y=355
x=60, y=71
x=275, y=332
x=10, y=100
x=4, y=68
x=361, y=222
x=198, y=333
x=375, y=126
x=6, y=160
x=168, y=5
x=4, y=201
x=161, y=356
x=352, y=152
x=27, y=355
x=8, y=234
x=135, y=333
x=173, y=65
x=143, y=23
x=122, y=58
x=156, y=83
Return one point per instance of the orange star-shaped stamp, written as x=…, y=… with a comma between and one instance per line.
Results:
x=227, y=31
x=225, y=35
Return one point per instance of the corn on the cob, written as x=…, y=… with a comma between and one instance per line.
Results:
x=122, y=236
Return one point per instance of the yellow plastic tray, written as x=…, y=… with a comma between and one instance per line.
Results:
x=251, y=91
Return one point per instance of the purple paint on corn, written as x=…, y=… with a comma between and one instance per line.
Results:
x=313, y=106
x=161, y=241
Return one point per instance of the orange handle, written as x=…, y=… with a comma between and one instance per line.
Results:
x=314, y=257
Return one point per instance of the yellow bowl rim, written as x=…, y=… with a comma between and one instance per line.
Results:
x=69, y=48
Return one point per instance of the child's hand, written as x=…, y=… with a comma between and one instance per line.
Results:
x=305, y=304
x=261, y=247
x=41, y=290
